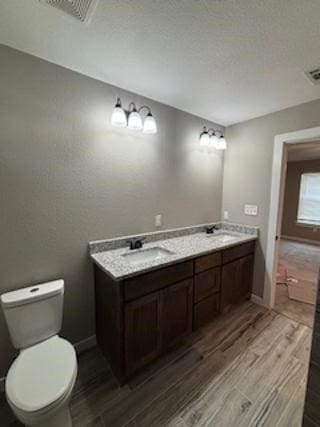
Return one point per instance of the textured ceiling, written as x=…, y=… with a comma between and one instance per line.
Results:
x=305, y=151
x=224, y=60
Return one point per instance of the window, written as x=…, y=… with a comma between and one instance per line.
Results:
x=309, y=199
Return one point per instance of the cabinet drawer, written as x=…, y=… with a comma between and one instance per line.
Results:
x=207, y=283
x=239, y=251
x=206, y=310
x=207, y=261
x=157, y=279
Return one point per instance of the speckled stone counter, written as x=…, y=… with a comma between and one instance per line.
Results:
x=182, y=244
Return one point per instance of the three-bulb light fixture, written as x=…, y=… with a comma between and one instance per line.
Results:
x=213, y=138
x=132, y=119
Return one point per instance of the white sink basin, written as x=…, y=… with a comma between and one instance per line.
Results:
x=146, y=255
x=222, y=237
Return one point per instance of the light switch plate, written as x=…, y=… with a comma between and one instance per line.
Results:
x=251, y=210
x=158, y=220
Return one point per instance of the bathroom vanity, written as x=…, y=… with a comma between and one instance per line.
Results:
x=143, y=314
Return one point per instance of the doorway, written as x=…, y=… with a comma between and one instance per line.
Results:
x=299, y=238
x=279, y=170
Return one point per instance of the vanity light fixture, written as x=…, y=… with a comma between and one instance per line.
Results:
x=204, y=137
x=213, y=138
x=132, y=119
x=119, y=117
x=149, y=124
x=221, y=143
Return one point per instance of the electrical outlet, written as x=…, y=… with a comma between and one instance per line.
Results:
x=225, y=215
x=251, y=210
x=158, y=220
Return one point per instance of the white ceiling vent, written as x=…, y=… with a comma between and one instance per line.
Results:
x=314, y=76
x=79, y=9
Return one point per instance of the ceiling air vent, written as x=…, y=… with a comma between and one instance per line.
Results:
x=314, y=76
x=78, y=9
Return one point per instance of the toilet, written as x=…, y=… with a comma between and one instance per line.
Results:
x=39, y=382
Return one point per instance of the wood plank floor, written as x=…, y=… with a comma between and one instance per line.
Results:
x=248, y=368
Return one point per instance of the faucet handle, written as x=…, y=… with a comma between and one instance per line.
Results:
x=210, y=229
x=136, y=243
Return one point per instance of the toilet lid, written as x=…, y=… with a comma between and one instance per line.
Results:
x=41, y=375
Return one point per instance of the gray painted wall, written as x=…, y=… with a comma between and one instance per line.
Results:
x=67, y=177
x=247, y=169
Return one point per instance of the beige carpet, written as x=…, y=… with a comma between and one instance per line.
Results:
x=298, y=268
x=302, y=290
x=297, y=277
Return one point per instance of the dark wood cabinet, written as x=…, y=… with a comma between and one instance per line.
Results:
x=245, y=276
x=206, y=294
x=229, y=284
x=142, y=317
x=236, y=281
x=158, y=279
x=207, y=283
x=176, y=312
x=142, y=331
x=156, y=322
x=206, y=310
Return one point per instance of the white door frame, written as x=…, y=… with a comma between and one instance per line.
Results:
x=277, y=180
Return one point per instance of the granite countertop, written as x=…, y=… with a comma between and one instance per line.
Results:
x=183, y=248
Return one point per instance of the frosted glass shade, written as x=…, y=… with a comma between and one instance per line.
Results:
x=213, y=141
x=149, y=125
x=204, y=139
x=222, y=143
x=118, y=118
x=134, y=121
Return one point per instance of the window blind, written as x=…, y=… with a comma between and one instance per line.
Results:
x=309, y=198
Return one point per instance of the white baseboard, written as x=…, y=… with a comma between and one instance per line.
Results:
x=80, y=347
x=85, y=344
x=301, y=240
x=257, y=300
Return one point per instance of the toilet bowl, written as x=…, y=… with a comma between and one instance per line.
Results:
x=40, y=381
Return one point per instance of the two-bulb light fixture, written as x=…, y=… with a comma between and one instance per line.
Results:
x=213, y=138
x=132, y=119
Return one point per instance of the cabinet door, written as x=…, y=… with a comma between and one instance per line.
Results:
x=229, y=284
x=142, y=331
x=206, y=310
x=176, y=312
x=245, y=276
x=206, y=283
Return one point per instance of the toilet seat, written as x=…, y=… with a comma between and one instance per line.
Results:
x=42, y=377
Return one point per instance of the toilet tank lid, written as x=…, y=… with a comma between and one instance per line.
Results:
x=32, y=293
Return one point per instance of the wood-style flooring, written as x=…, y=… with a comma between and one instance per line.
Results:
x=296, y=310
x=248, y=368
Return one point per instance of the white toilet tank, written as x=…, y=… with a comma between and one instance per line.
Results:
x=34, y=314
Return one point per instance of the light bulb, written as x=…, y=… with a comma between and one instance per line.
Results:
x=222, y=143
x=149, y=125
x=118, y=118
x=204, y=138
x=213, y=141
x=134, y=121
